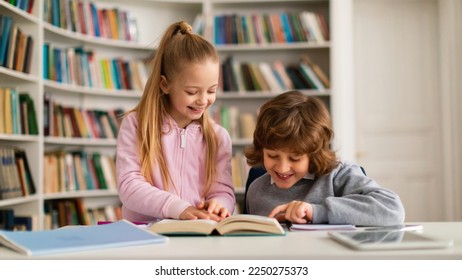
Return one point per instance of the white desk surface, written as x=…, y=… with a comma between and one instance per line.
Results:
x=295, y=245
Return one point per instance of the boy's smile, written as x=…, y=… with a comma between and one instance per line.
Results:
x=285, y=168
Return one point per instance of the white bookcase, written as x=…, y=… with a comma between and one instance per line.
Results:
x=153, y=17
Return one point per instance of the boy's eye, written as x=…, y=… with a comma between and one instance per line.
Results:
x=272, y=156
x=191, y=92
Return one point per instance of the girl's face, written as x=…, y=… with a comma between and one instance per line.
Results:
x=191, y=91
x=285, y=168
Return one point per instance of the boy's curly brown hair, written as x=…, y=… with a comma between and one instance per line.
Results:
x=296, y=123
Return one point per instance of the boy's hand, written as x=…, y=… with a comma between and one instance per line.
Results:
x=295, y=211
x=212, y=206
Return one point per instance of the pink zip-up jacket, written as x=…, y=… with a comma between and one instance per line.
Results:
x=184, y=150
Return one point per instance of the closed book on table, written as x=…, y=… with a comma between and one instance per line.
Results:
x=78, y=238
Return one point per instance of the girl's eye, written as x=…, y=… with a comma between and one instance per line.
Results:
x=191, y=93
x=272, y=156
x=294, y=159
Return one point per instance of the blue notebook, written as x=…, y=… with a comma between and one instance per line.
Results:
x=79, y=238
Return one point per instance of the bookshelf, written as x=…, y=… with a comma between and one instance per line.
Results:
x=155, y=16
x=152, y=19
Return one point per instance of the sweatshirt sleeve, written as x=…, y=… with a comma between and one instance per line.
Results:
x=135, y=192
x=223, y=190
x=358, y=200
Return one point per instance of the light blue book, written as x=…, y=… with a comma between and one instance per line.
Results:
x=78, y=238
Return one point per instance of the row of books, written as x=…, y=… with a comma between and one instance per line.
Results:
x=78, y=171
x=67, y=121
x=16, y=47
x=25, y=5
x=86, y=18
x=77, y=66
x=15, y=176
x=238, y=124
x=64, y=212
x=12, y=222
x=275, y=77
x=263, y=28
x=17, y=112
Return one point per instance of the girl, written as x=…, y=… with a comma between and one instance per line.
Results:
x=305, y=183
x=172, y=161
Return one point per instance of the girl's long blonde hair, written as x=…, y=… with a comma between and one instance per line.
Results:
x=178, y=47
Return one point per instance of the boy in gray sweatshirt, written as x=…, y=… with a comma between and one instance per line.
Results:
x=305, y=182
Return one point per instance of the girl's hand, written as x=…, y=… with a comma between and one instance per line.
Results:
x=295, y=211
x=212, y=206
x=193, y=213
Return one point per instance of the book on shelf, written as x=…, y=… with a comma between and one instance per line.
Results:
x=310, y=76
x=78, y=238
x=11, y=47
x=11, y=222
x=297, y=77
x=2, y=109
x=28, y=114
x=20, y=51
x=240, y=169
x=15, y=111
x=5, y=24
x=268, y=74
x=317, y=70
x=236, y=172
x=198, y=24
x=22, y=223
x=287, y=28
x=298, y=32
x=247, y=124
x=7, y=116
x=26, y=67
x=10, y=184
x=280, y=71
x=311, y=24
x=6, y=219
x=25, y=175
x=241, y=224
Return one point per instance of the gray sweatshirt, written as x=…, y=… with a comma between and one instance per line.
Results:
x=344, y=196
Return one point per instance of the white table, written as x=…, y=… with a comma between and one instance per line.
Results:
x=314, y=245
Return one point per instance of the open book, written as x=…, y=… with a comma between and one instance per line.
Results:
x=242, y=224
x=78, y=238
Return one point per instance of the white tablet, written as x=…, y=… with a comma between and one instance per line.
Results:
x=387, y=240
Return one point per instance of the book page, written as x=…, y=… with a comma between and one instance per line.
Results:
x=249, y=224
x=178, y=227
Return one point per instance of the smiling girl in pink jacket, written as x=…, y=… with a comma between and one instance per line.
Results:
x=172, y=160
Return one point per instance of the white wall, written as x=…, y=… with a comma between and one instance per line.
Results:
x=407, y=65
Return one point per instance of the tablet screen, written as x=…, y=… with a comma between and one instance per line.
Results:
x=384, y=237
x=387, y=240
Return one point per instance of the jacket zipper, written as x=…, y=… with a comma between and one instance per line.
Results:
x=182, y=139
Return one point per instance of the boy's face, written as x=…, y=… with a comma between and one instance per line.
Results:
x=285, y=168
x=191, y=91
